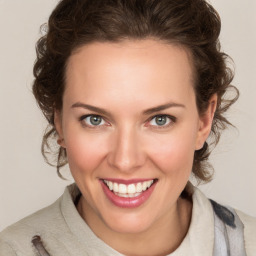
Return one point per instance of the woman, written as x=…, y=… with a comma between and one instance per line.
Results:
x=132, y=90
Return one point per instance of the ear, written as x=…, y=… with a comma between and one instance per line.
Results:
x=205, y=122
x=58, y=127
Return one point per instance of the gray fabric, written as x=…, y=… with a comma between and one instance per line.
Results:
x=228, y=232
x=63, y=232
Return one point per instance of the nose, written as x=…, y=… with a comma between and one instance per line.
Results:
x=126, y=152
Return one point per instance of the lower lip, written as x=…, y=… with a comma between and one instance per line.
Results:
x=128, y=202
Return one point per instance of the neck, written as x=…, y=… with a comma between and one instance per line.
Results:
x=162, y=238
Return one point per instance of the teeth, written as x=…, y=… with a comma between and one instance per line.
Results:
x=131, y=190
x=128, y=195
x=122, y=189
x=144, y=186
x=115, y=187
x=139, y=187
x=110, y=185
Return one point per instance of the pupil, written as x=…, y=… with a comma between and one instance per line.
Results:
x=161, y=120
x=95, y=120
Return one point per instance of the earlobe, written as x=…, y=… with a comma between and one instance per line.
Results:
x=205, y=122
x=58, y=127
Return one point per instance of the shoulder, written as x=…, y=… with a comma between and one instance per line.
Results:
x=227, y=215
x=16, y=239
x=6, y=249
x=249, y=231
x=51, y=228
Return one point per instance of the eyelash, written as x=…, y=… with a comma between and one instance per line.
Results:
x=82, y=120
x=171, y=122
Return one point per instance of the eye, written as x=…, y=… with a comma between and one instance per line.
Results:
x=161, y=121
x=92, y=120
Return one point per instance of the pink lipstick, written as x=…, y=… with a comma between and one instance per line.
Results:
x=128, y=193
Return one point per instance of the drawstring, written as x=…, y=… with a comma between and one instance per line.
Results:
x=37, y=242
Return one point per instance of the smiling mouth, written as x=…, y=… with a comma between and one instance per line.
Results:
x=131, y=190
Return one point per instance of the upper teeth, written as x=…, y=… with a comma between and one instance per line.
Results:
x=128, y=189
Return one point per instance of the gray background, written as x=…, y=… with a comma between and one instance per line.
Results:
x=28, y=184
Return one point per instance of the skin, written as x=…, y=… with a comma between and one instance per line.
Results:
x=126, y=79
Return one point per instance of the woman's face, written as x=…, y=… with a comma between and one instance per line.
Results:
x=130, y=123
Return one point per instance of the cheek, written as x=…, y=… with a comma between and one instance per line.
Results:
x=174, y=153
x=84, y=152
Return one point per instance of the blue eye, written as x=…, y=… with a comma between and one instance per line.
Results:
x=161, y=121
x=93, y=120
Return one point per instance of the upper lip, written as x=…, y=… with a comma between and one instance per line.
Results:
x=127, y=182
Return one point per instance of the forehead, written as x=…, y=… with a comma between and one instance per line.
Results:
x=139, y=69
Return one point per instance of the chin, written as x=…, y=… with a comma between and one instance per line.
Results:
x=129, y=223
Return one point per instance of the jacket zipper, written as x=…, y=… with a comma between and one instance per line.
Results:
x=38, y=244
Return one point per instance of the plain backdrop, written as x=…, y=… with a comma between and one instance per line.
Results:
x=28, y=184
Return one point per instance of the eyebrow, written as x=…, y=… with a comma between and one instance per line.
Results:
x=92, y=108
x=145, y=112
x=162, y=107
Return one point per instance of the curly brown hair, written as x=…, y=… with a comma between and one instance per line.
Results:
x=193, y=24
